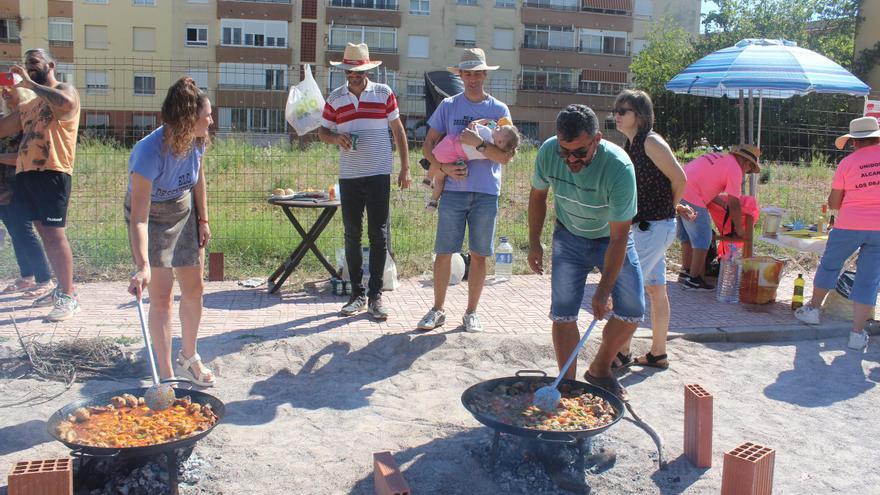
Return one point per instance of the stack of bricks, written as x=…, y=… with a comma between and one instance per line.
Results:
x=698, y=425
x=748, y=470
x=41, y=477
x=387, y=479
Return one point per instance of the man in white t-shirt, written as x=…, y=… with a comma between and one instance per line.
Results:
x=356, y=118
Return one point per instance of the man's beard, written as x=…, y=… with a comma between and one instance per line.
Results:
x=39, y=77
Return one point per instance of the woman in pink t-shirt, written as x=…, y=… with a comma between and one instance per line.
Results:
x=855, y=191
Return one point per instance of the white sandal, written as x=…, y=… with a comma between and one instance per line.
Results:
x=183, y=369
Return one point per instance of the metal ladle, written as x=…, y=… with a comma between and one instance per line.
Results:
x=547, y=397
x=159, y=396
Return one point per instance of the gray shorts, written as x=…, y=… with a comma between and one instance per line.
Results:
x=173, y=232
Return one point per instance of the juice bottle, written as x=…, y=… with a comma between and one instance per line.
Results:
x=797, y=299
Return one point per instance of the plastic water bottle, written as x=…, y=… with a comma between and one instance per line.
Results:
x=503, y=260
x=728, y=277
x=365, y=263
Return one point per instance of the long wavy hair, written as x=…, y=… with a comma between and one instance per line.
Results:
x=180, y=112
x=24, y=95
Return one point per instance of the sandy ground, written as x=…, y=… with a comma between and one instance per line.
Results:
x=305, y=413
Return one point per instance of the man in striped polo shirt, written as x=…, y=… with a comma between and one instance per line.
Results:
x=356, y=118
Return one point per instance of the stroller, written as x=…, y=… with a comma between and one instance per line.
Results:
x=439, y=84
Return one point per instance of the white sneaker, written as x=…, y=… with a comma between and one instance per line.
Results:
x=858, y=341
x=65, y=307
x=432, y=320
x=807, y=314
x=472, y=323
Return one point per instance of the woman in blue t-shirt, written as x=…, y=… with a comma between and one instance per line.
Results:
x=166, y=209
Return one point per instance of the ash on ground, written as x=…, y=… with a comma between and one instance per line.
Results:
x=531, y=466
x=145, y=478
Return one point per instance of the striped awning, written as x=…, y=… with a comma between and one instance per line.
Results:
x=779, y=68
x=625, y=5
x=603, y=76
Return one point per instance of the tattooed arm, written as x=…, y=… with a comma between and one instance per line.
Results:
x=62, y=99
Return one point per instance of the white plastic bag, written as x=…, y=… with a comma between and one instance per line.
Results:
x=389, y=275
x=304, y=104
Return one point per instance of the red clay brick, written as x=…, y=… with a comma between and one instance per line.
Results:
x=41, y=477
x=698, y=425
x=387, y=479
x=748, y=470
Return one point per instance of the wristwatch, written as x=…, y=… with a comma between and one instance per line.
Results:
x=481, y=147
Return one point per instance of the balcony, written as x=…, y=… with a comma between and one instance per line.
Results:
x=254, y=55
x=536, y=45
x=613, y=7
x=570, y=57
x=382, y=13
x=62, y=50
x=263, y=11
x=466, y=43
x=544, y=13
x=228, y=96
x=560, y=95
x=250, y=87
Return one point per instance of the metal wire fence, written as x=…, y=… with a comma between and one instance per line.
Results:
x=253, y=153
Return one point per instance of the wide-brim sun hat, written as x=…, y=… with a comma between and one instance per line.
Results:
x=750, y=152
x=862, y=127
x=472, y=59
x=357, y=58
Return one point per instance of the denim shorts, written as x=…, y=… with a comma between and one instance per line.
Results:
x=651, y=245
x=476, y=210
x=698, y=232
x=573, y=258
x=841, y=245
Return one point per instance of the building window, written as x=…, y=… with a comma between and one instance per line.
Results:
x=503, y=39
x=548, y=79
x=379, y=74
x=64, y=73
x=197, y=1
x=549, y=37
x=379, y=39
x=253, y=76
x=96, y=37
x=275, y=79
x=419, y=7
x=269, y=120
x=604, y=42
x=505, y=4
x=417, y=46
x=599, y=88
x=361, y=4
x=466, y=2
x=61, y=31
x=241, y=32
x=200, y=76
x=196, y=35
x=104, y=2
x=96, y=82
x=143, y=122
x=99, y=120
x=9, y=32
x=415, y=90
x=528, y=130
x=145, y=3
x=144, y=84
x=143, y=39
x=500, y=80
x=465, y=35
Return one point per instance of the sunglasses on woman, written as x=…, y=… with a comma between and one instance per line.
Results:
x=622, y=111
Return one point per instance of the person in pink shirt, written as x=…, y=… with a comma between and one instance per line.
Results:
x=855, y=191
x=709, y=178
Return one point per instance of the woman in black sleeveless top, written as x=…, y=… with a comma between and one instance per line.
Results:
x=660, y=183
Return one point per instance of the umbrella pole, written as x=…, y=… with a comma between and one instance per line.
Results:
x=753, y=179
x=742, y=121
x=751, y=139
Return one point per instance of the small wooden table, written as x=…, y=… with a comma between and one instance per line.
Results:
x=309, y=238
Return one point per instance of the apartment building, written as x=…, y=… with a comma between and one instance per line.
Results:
x=122, y=54
x=867, y=36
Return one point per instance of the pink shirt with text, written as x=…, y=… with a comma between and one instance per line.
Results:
x=858, y=176
x=710, y=175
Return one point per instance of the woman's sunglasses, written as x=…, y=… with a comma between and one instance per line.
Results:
x=622, y=111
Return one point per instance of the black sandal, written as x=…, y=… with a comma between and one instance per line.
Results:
x=653, y=361
x=609, y=383
x=622, y=361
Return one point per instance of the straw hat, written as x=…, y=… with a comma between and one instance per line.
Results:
x=750, y=152
x=472, y=59
x=356, y=57
x=862, y=127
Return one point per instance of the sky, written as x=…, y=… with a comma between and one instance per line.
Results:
x=707, y=6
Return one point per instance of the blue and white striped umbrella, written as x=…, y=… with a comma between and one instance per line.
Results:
x=779, y=68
